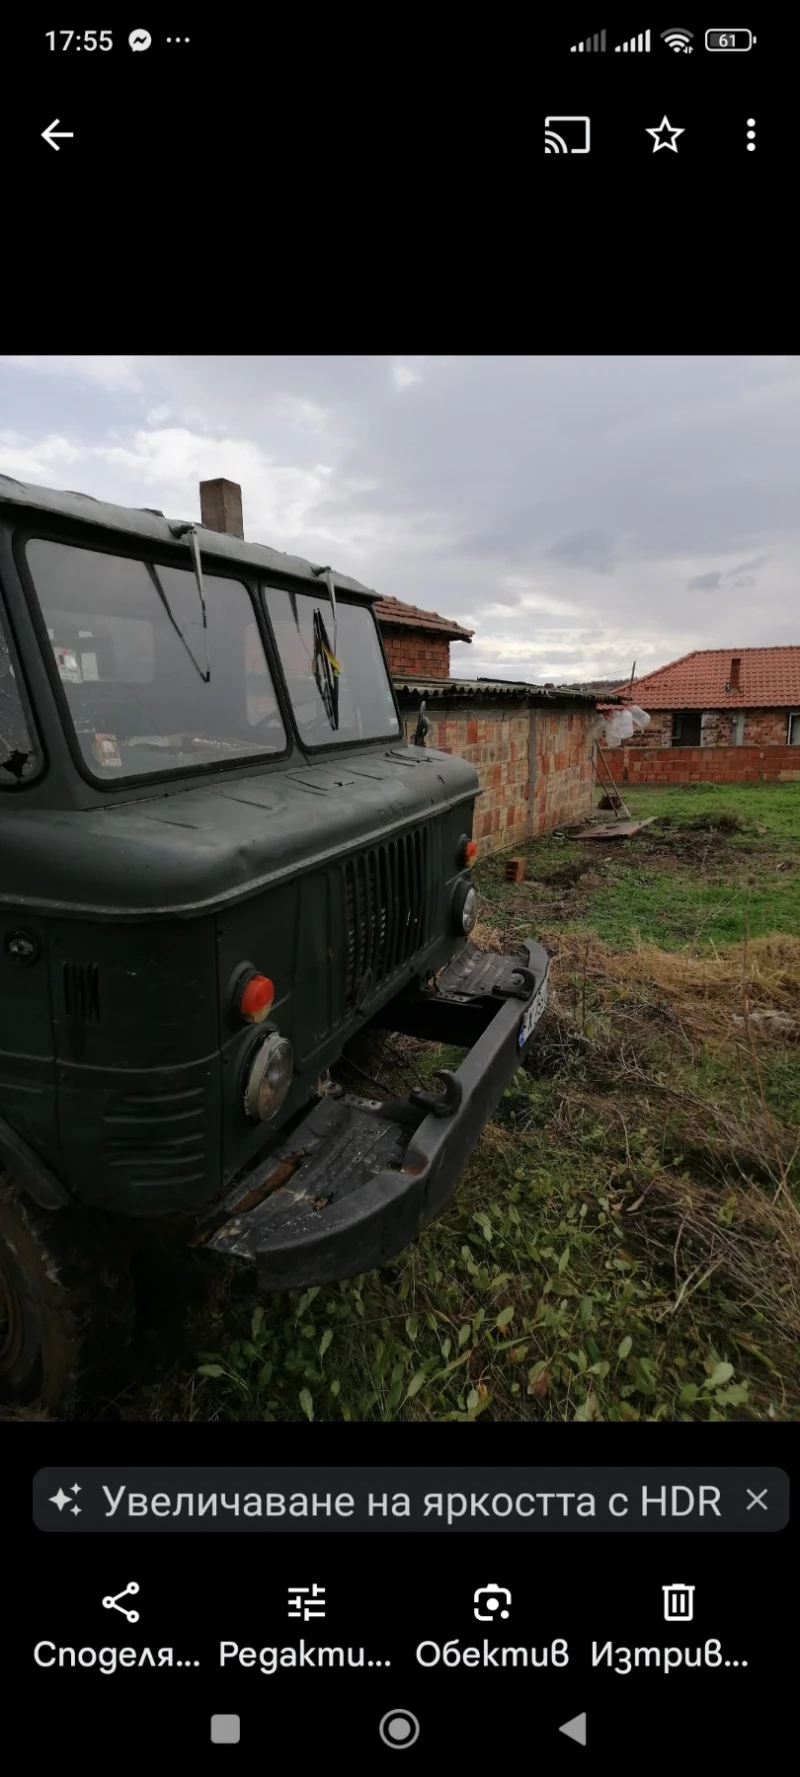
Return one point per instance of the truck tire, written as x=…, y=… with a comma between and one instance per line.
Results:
x=66, y=1303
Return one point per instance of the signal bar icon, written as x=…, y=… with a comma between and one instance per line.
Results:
x=597, y=42
x=642, y=42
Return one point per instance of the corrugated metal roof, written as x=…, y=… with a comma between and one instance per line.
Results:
x=494, y=690
x=768, y=677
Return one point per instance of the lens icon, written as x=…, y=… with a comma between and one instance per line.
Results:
x=399, y=1729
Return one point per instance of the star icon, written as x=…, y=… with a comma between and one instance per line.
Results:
x=665, y=136
x=60, y=1499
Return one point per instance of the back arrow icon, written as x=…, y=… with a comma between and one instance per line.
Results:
x=52, y=131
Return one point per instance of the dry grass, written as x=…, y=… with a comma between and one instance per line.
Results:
x=704, y=992
x=730, y=1215
x=748, y=1242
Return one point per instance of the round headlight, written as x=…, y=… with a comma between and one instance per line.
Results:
x=269, y=1078
x=465, y=907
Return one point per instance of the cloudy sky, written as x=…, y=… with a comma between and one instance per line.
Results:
x=577, y=513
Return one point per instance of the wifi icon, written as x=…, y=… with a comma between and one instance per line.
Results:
x=679, y=40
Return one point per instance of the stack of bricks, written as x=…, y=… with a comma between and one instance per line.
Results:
x=497, y=744
x=564, y=776
x=416, y=654
x=706, y=765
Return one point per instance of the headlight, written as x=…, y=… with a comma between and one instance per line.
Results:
x=269, y=1078
x=465, y=907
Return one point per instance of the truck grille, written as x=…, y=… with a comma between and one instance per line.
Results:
x=388, y=912
x=82, y=992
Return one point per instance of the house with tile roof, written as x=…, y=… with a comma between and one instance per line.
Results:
x=722, y=697
x=417, y=642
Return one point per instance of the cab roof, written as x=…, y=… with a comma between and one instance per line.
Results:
x=152, y=527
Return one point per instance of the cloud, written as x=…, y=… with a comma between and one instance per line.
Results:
x=747, y=567
x=584, y=549
x=705, y=583
x=502, y=488
x=108, y=373
x=403, y=377
x=746, y=580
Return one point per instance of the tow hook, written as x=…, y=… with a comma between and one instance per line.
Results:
x=441, y=1104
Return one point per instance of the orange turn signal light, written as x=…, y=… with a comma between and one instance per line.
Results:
x=257, y=997
x=470, y=851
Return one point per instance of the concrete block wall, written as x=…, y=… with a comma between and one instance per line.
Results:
x=705, y=765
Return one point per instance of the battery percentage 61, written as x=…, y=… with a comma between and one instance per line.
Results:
x=730, y=40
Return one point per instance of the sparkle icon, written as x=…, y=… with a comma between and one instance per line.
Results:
x=62, y=1499
x=665, y=136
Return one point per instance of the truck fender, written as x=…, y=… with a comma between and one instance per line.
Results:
x=29, y=1171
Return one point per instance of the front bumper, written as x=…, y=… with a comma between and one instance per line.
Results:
x=357, y=1179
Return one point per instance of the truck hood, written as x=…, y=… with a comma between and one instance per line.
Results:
x=189, y=851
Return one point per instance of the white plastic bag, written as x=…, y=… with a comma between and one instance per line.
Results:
x=640, y=717
x=619, y=727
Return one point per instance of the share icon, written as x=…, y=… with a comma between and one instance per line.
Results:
x=114, y=1604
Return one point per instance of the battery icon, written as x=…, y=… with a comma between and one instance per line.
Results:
x=730, y=40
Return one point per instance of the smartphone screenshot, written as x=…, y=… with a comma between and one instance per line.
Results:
x=399, y=925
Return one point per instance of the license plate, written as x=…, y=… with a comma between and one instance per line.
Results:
x=531, y=1018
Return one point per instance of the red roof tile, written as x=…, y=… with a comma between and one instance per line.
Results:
x=768, y=677
x=411, y=617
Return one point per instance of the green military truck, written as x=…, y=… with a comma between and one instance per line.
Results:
x=219, y=861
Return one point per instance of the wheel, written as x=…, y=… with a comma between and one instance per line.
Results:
x=66, y=1303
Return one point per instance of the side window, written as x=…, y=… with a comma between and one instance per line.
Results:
x=20, y=754
x=794, y=729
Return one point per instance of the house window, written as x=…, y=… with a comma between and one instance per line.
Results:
x=686, y=731
x=794, y=729
x=737, y=729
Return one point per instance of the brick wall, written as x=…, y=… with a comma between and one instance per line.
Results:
x=659, y=733
x=766, y=728
x=563, y=778
x=716, y=728
x=706, y=765
x=502, y=744
x=762, y=728
x=416, y=653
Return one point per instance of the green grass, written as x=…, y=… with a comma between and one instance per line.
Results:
x=773, y=806
x=623, y=1244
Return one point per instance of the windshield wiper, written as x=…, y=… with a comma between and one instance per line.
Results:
x=326, y=665
x=186, y=530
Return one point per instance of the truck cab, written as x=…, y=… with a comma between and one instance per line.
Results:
x=219, y=860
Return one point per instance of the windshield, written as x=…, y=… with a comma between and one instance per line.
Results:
x=333, y=666
x=147, y=689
